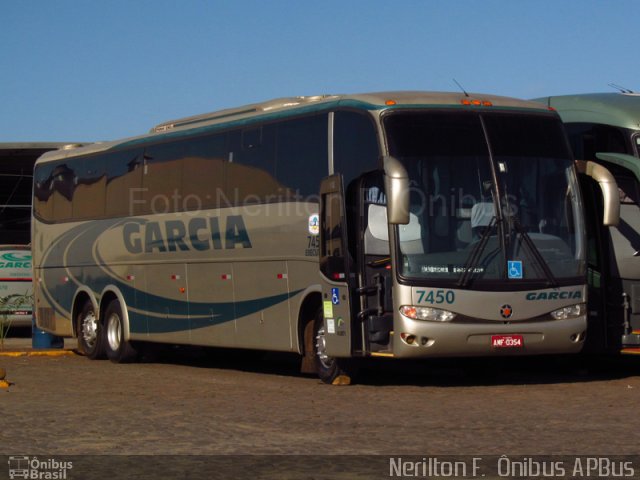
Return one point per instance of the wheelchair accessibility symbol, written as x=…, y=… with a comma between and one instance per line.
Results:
x=335, y=296
x=514, y=268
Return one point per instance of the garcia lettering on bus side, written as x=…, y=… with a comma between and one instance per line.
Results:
x=198, y=233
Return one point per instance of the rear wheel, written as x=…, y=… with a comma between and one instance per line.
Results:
x=334, y=371
x=90, y=332
x=118, y=349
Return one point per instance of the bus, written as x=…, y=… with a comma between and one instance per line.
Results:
x=339, y=227
x=16, y=178
x=605, y=128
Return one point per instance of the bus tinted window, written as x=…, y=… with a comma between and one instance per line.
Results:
x=124, y=183
x=63, y=188
x=203, y=172
x=587, y=139
x=302, y=155
x=251, y=168
x=355, y=145
x=91, y=188
x=162, y=177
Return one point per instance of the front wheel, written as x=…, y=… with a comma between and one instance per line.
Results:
x=118, y=349
x=334, y=371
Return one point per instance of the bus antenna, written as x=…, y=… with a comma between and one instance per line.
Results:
x=622, y=89
x=461, y=88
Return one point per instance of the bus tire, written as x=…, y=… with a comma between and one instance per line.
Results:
x=118, y=349
x=333, y=371
x=90, y=332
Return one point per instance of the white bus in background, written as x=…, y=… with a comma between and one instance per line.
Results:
x=16, y=289
x=16, y=179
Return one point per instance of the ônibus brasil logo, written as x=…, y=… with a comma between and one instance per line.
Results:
x=34, y=468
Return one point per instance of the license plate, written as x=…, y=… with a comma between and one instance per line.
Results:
x=507, y=341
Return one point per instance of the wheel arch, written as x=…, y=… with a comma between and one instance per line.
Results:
x=311, y=302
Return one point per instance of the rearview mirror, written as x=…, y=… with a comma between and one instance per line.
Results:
x=397, y=186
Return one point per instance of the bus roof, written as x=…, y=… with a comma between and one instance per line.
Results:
x=617, y=109
x=284, y=107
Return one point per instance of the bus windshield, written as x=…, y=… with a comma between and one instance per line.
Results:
x=493, y=198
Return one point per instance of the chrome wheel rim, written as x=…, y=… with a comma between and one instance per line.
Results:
x=90, y=329
x=321, y=349
x=114, y=332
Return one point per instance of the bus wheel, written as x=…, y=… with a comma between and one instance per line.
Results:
x=334, y=371
x=118, y=349
x=90, y=335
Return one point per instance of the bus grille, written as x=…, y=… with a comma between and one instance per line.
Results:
x=45, y=318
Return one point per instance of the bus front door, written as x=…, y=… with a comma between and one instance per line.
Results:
x=338, y=281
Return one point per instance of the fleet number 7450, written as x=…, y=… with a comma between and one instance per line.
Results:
x=436, y=296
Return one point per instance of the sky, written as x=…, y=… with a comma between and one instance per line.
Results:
x=81, y=71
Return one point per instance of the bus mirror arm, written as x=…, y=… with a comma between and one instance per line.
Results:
x=397, y=187
x=609, y=188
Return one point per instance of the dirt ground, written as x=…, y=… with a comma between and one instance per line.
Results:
x=201, y=402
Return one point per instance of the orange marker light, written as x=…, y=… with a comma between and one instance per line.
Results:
x=487, y=103
x=465, y=102
x=390, y=102
x=476, y=102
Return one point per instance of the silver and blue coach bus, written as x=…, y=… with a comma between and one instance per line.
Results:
x=401, y=224
x=605, y=128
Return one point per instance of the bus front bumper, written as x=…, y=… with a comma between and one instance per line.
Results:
x=16, y=319
x=416, y=338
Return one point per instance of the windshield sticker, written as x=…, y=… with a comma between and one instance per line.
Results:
x=331, y=325
x=515, y=269
x=471, y=270
x=435, y=269
x=449, y=269
x=327, y=308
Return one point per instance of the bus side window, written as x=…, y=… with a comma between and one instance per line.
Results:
x=588, y=138
x=124, y=182
x=302, y=153
x=203, y=173
x=64, y=185
x=91, y=189
x=628, y=189
x=43, y=191
x=251, y=168
x=355, y=145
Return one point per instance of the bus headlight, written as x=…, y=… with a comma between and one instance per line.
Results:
x=569, y=312
x=427, y=313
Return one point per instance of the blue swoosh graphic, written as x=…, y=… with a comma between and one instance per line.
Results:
x=90, y=269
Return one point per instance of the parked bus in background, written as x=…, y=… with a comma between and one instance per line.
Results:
x=401, y=224
x=605, y=128
x=16, y=179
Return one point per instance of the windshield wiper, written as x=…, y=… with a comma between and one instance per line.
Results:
x=541, y=262
x=470, y=264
